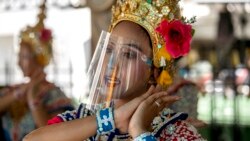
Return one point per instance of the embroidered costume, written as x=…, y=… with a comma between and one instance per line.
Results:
x=166, y=128
x=170, y=35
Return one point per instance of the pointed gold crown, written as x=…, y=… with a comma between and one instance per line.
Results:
x=165, y=26
x=39, y=38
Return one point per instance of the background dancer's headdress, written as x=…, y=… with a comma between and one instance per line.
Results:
x=39, y=38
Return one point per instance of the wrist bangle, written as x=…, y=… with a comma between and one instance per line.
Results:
x=147, y=136
x=105, y=121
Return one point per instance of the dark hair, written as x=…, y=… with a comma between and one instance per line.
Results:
x=152, y=80
x=146, y=35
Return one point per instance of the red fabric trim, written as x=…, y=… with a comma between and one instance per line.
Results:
x=54, y=120
x=182, y=131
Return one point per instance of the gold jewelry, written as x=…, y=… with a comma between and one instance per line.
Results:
x=157, y=103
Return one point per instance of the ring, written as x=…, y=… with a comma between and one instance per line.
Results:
x=157, y=103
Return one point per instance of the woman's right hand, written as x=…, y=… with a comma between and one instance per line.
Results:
x=123, y=114
x=148, y=109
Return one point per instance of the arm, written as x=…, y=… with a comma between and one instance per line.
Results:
x=39, y=115
x=80, y=129
x=37, y=109
x=9, y=95
x=76, y=130
x=6, y=99
x=86, y=127
x=51, y=104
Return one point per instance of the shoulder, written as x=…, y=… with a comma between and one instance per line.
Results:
x=175, y=128
x=181, y=130
x=162, y=122
x=54, y=94
x=55, y=101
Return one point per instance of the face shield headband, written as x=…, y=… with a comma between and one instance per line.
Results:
x=117, y=65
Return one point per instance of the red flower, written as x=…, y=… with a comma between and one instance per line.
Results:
x=177, y=36
x=45, y=35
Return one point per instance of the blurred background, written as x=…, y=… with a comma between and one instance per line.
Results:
x=219, y=61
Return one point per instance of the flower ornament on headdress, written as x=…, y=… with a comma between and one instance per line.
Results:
x=39, y=38
x=177, y=37
x=170, y=33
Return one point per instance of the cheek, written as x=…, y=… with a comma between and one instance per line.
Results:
x=140, y=74
x=27, y=65
x=145, y=74
x=24, y=64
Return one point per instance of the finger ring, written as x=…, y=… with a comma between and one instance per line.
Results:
x=157, y=103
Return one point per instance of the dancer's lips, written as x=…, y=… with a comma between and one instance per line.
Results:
x=112, y=81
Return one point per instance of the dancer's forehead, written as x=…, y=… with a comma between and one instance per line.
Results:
x=135, y=33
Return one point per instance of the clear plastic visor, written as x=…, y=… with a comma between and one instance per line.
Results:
x=116, y=67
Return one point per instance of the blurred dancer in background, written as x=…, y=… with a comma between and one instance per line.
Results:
x=25, y=107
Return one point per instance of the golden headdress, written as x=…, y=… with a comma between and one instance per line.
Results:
x=170, y=33
x=39, y=38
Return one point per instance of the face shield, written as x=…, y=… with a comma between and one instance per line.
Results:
x=117, y=68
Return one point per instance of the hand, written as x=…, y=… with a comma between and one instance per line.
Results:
x=5, y=90
x=19, y=91
x=33, y=89
x=36, y=80
x=147, y=110
x=123, y=114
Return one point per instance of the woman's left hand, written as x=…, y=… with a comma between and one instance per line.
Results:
x=147, y=110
